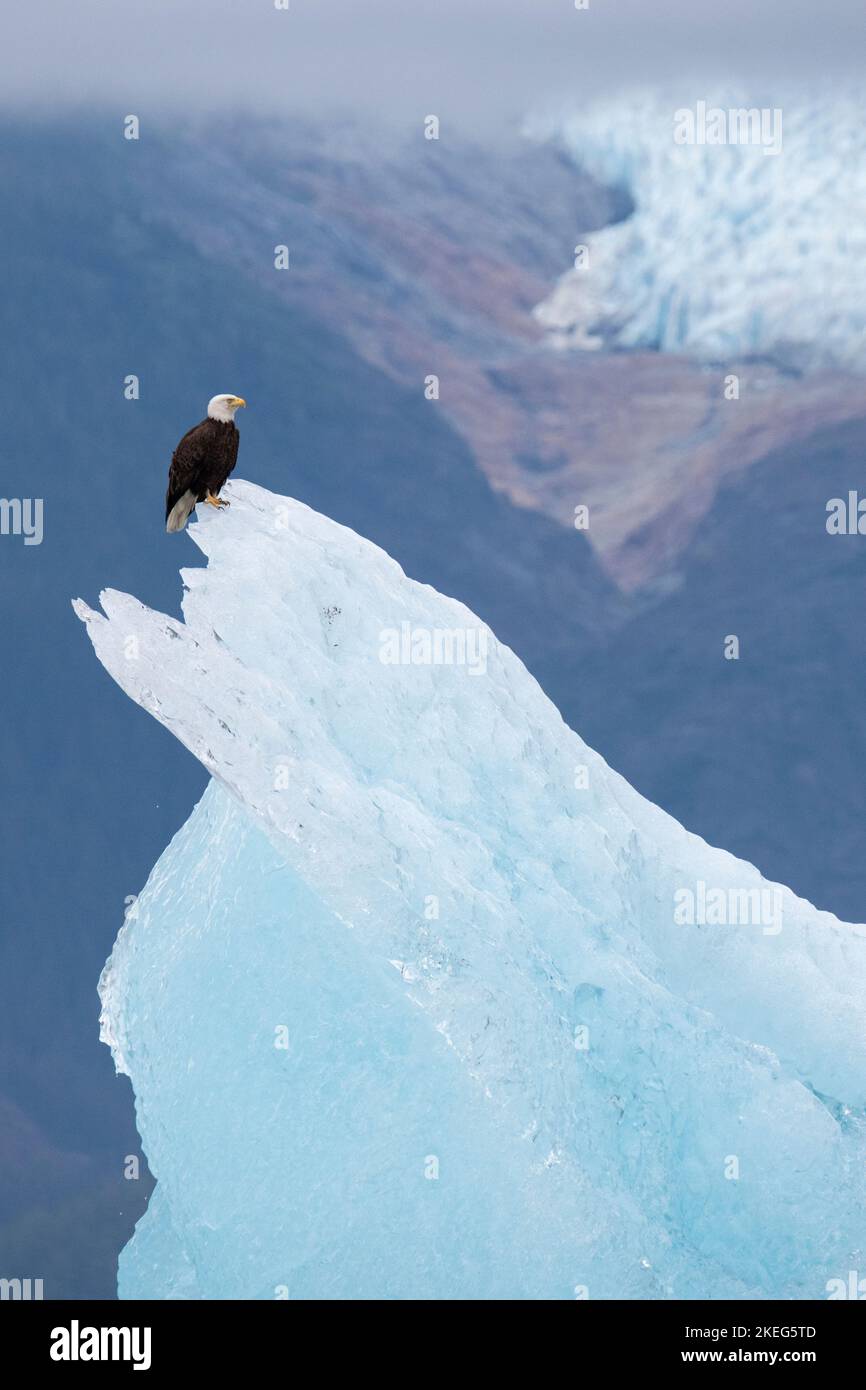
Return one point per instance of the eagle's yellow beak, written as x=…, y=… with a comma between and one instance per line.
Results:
x=238, y=401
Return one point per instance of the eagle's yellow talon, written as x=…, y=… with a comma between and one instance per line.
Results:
x=216, y=501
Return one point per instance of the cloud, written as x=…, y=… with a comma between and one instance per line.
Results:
x=475, y=62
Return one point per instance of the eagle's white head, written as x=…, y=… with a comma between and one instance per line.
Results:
x=223, y=408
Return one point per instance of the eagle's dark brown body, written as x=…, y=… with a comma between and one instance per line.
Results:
x=200, y=464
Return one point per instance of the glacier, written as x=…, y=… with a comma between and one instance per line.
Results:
x=727, y=251
x=410, y=1006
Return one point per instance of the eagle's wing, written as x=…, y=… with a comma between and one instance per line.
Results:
x=186, y=464
x=234, y=444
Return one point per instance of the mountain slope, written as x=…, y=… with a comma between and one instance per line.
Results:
x=767, y=752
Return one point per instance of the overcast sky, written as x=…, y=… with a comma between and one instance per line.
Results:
x=477, y=62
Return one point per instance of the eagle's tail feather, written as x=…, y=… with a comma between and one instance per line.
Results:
x=179, y=514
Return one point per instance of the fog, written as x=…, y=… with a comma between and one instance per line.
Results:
x=476, y=63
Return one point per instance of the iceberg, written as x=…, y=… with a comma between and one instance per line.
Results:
x=734, y=246
x=424, y=1001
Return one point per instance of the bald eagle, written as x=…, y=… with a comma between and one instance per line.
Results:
x=202, y=461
